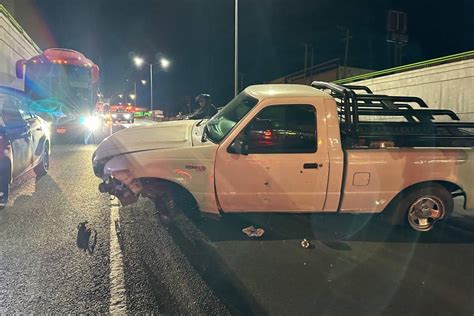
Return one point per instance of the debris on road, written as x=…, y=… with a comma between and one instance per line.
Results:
x=305, y=243
x=253, y=232
x=86, y=237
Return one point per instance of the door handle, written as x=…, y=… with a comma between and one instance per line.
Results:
x=311, y=165
x=39, y=129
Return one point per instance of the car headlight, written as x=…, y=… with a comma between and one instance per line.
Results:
x=114, y=115
x=127, y=116
x=92, y=122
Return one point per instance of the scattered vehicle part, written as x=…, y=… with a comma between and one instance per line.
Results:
x=252, y=231
x=86, y=237
x=305, y=243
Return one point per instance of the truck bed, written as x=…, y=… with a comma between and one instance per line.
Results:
x=408, y=166
x=372, y=121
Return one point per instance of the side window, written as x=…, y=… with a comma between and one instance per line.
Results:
x=283, y=129
x=10, y=112
x=24, y=109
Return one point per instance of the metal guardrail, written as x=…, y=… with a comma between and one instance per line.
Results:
x=418, y=65
x=17, y=25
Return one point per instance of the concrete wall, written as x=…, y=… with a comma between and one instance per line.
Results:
x=15, y=44
x=331, y=74
x=447, y=86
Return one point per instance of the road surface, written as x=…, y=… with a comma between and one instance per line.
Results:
x=356, y=265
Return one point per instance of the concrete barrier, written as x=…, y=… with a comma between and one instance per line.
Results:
x=15, y=44
x=446, y=86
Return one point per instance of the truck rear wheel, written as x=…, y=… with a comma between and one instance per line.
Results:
x=421, y=207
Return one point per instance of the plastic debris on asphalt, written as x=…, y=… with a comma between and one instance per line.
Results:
x=253, y=232
x=305, y=243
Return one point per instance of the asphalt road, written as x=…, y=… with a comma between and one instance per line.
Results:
x=356, y=264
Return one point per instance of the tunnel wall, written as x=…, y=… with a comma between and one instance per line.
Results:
x=15, y=44
x=447, y=86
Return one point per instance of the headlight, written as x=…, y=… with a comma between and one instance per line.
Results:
x=92, y=122
x=114, y=115
x=127, y=116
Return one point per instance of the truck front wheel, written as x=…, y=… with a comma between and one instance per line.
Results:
x=172, y=203
x=421, y=207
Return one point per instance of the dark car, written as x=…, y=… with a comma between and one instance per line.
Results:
x=123, y=116
x=24, y=140
x=75, y=126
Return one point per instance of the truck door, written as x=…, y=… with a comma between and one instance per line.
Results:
x=285, y=167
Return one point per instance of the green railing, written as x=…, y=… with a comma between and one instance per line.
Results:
x=17, y=25
x=418, y=65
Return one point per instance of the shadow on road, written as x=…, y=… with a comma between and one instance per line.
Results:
x=334, y=229
x=213, y=270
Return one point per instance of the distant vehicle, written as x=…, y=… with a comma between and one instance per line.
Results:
x=299, y=149
x=123, y=116
x=65, y=84
x=157, y=115
x=24, y=139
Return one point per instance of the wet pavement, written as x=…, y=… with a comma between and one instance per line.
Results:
x=125, y=260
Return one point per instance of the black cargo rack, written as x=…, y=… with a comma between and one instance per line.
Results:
x=417, y=126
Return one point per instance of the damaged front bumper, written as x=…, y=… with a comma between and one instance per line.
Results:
x=123, y=185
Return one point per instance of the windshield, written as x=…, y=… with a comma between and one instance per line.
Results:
x=54, y=84
x=223, y=122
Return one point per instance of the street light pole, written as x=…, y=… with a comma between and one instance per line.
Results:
x=236, y=48
x=151, y=86
x=165, y=63
x=135, y=92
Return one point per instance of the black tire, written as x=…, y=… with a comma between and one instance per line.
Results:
x=5, y=190
x=172, y=203
x=422, y=206
x=43, y=166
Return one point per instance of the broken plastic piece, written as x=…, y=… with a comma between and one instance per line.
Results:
x=253, y=232
x=305, y=243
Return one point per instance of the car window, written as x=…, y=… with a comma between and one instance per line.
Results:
x=11, y=112
x=283, y=129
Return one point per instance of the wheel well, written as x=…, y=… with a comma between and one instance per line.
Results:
x=451, y=187
x=157, y=184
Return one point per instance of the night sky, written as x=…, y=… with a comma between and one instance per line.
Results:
x=197, y=36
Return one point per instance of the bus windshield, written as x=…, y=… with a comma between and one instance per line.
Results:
x=65, y=84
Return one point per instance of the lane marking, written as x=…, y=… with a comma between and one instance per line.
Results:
x=118, y=296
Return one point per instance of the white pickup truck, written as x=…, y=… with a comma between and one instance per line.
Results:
x=299, y=149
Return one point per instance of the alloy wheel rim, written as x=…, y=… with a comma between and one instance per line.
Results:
x=425, y=212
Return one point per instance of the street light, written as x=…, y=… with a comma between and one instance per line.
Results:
x=143, y=82
x=133, y=96
x=120, y=96
x=139, y=62
x=165, y=63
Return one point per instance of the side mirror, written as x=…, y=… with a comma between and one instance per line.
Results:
x=238, y=147
x=19, y=68
x=95, y=73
